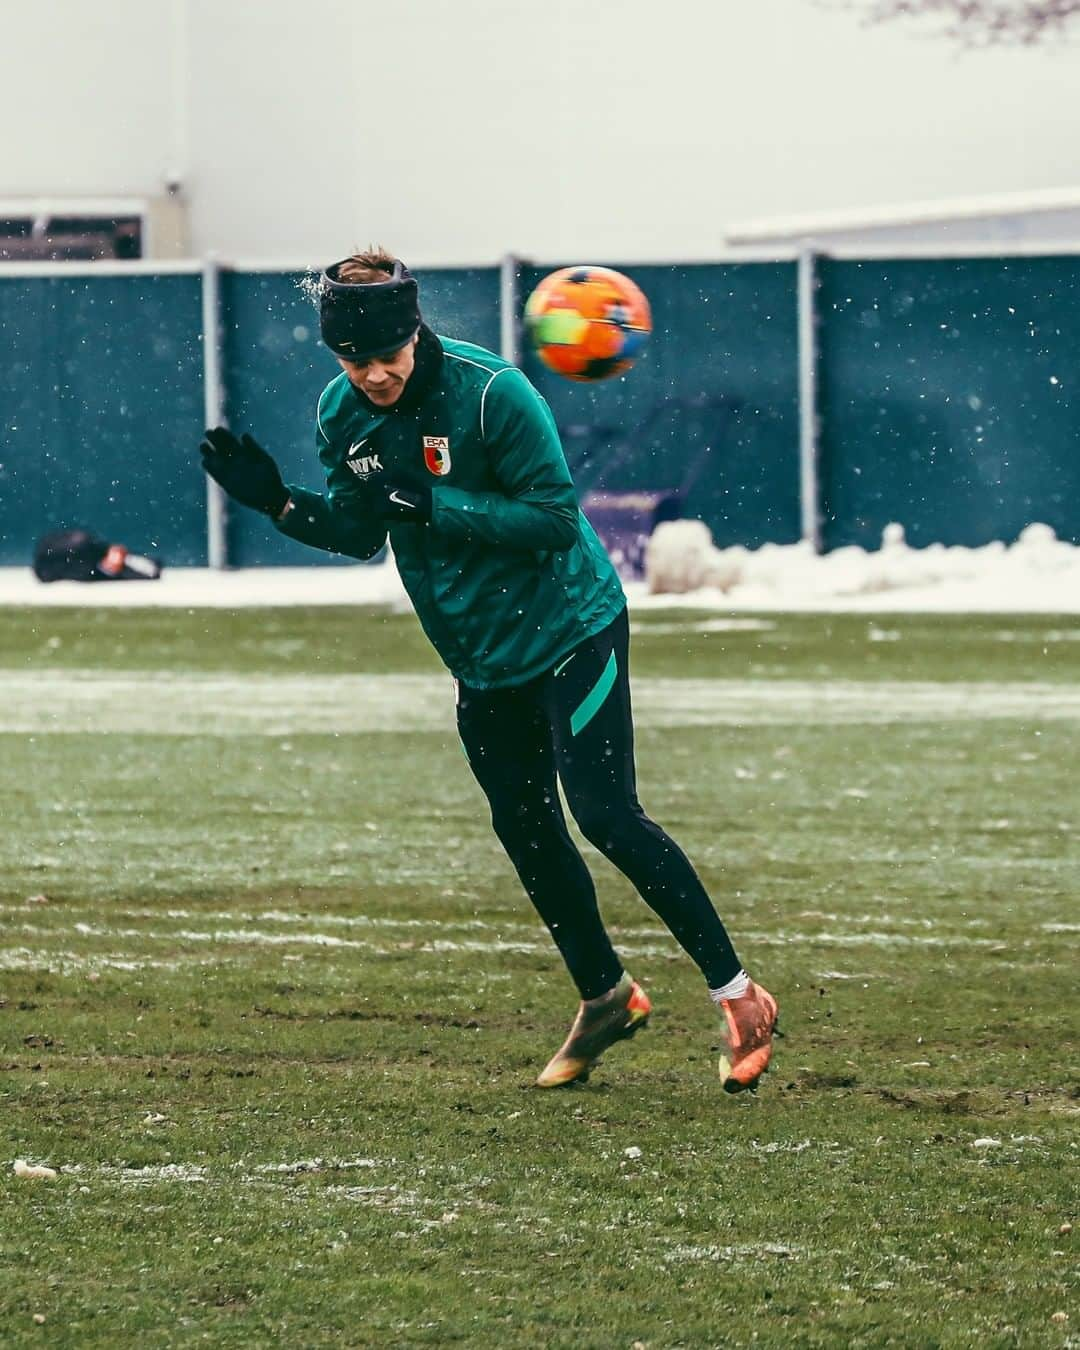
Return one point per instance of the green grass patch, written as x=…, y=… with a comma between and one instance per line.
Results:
x=686, y=642
x=273, y=1005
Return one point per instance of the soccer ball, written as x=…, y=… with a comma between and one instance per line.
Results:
x=588, y=323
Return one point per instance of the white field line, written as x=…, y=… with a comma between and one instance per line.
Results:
x=279, y=705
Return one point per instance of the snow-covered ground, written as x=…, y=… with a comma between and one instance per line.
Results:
x=1037, y=574
x=199, y=587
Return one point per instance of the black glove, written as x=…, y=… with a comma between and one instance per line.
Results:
x=244, y=470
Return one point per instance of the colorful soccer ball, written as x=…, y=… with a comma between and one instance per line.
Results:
x=588, y=323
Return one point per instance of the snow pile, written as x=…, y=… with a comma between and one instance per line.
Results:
x=1038, y=572
x=34, y=1171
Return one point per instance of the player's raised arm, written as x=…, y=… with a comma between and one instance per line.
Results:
x=250, y=475
x=339, y=524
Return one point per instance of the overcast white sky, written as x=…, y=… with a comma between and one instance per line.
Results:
x=459, y=129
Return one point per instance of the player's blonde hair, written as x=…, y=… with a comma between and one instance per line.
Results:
x=373, y=263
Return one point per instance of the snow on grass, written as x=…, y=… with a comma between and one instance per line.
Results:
x=681, y=1253
x=703, y=626
x=68, y=909
x=33, y=1171
x=186, y=1174
x=317, y=1165
x=203, y=1173
x=186, y=704
x=204, y=588
x=66, y=912
x=274, y=1177
x=786, y=1146
x=256, y=937
x=82, y=963
x=197, y=704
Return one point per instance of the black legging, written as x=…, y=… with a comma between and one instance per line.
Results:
x=575, y=721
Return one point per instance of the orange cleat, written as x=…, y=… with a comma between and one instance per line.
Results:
x=600, y=1022
x=751, y=1024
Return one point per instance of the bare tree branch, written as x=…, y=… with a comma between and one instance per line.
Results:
x=983, y=22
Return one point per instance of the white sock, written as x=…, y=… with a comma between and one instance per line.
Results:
x=733, y=989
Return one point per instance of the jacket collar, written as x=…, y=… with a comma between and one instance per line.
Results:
x=424, y=378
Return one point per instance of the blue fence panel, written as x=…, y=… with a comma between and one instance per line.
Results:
x=948, y=398
x=101, y=409
x=710, y=408
x=276, y=368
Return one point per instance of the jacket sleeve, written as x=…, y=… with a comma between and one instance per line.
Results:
x=335, y=521
x=330, y=523
x=536, y=506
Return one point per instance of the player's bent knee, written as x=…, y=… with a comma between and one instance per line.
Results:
x=519, y=829
x=610, y=829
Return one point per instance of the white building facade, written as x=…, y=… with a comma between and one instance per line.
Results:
x=458, y=130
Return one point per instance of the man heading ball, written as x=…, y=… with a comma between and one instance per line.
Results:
x=450, y=451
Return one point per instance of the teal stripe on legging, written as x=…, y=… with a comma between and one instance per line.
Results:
x=590, y=705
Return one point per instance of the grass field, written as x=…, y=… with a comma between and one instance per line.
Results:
x=272, y=1002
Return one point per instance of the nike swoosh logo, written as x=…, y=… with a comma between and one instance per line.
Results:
x=563, y=664
x=358, y=446
x=402, y=501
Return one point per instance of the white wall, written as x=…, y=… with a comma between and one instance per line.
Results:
x=454, y=130
x=85, y=94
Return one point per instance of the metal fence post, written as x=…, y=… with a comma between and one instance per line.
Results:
x=217, y=509
x=809, y=422
x=509, y=328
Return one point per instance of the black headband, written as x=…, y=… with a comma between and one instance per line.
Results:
x=361, y=319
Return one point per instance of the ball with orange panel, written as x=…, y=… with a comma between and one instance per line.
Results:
x=588, y=323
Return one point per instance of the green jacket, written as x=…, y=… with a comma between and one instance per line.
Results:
x=509, y=575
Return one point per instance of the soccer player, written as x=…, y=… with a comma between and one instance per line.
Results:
x=450, y=451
